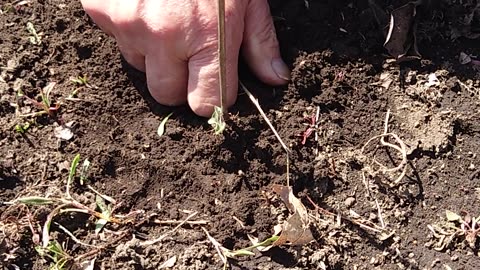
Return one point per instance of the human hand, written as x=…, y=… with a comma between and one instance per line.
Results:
x=175, y=43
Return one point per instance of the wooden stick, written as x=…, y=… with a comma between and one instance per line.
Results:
x=222, y=58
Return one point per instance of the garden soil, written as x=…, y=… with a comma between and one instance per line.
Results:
x=394, y=148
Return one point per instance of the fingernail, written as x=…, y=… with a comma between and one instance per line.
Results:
x=281, y=69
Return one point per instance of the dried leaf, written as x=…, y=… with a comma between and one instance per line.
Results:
x=64, y=132
x=432, y=80
x=296, y=229
x=401, y=41
x=88, y=265
x=451, y=216
x=386, y=79
x=168, y=263
x=384, y=236
x=464, y=58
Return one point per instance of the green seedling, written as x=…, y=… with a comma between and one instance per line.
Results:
x=46, y=104
x=161, y=127
x=71, y=173
x=248, y=250
x=22, y=128
x=68, y=204
x=34, y=38
x=457, y=226
x=217, y=121
x=34, y=200
x=106, y=212
x=54, y=251
x=80, y=81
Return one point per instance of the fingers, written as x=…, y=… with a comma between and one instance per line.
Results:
x=260, y=45
x=166, y=78
x=133, y=57
x=203, y=81
x=98, y=11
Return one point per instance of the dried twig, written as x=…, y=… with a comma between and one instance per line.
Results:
x=401, y=148
x=218, y=247
x=340, y=217
x=262, y=113
x=380, y=216
x=156, y=240
x=170, y=222
x=75, y=239
x=222, y=59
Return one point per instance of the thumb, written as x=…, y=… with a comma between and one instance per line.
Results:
x=260, y=45
x=98, y=11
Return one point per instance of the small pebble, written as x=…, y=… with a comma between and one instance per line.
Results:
x=349, y=202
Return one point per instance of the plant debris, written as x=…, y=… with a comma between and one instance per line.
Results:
x=296, y=229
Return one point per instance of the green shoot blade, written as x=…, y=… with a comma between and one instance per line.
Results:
x=35, y=200
x=105, y=212
x=217, y=121
x=240, y=252
x=99, y=225
x=71, y=174
x=161, y=127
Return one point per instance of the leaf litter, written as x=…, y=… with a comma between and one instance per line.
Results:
x=296, y=229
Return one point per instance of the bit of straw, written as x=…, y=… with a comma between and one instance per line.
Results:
x=156, y=240
x=222, y=53
x=401, y=148
x=262, y=113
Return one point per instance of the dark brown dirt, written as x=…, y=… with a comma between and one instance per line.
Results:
x=338, y=64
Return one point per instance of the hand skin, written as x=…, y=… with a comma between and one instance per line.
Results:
x=175, y=43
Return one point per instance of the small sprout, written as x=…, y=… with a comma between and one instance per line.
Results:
x=80, y=81
x=22, y=129
x=461, y=225
x=240, y=252
x=60, y=258
x=71, y=173
x=217, y=121
x=106, y=213
x=45, y=105
x=7, y=9
x=34, y=38
x=262, y=246
x=84, y=171
x=161, y=127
